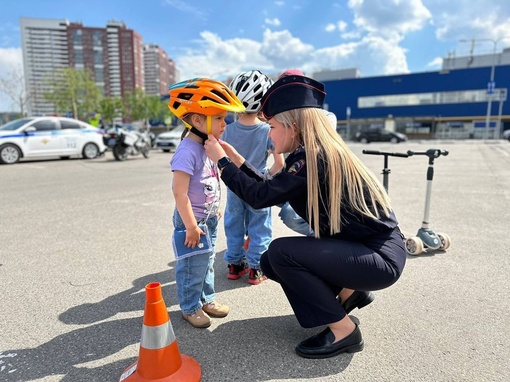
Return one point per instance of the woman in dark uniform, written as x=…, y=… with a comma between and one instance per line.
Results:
x=357, y=246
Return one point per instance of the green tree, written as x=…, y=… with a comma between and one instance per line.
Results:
x=110, y=108
x=74, y=91
x=157, y=110
x=135, y=106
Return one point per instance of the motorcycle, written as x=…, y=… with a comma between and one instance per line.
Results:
x=124, y=143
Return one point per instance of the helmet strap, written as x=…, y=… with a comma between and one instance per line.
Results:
x=209, y=124
x=197, y=132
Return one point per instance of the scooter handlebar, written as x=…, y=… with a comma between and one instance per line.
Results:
x=374, y=152
x=431, y=153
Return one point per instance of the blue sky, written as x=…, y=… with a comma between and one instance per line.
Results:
x=220, y=38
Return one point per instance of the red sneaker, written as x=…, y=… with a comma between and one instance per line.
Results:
x=235, y=271
x=256, y=277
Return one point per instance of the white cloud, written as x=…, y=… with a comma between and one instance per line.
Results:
x=284, y=50
x=351, y=35
x=340, y=26
x=273, y=22
x=219, y=58
x=383, y=17
x=465, y=19
x=370, y=55
x=330, y=28
x=436, y=63
x=280, y=50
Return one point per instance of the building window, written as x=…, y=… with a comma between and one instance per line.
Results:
x=464, y=96
x=98, y=57
x=97, y=38
x=78, y=57
x=99, y=74
x=77, y=37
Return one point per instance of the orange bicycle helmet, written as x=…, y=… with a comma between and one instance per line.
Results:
x=202, y=96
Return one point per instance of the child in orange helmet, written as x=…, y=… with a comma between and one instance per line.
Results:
x=202, y=104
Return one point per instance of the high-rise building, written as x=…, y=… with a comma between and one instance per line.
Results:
x=112, y=56
x=88, y=51
x=125, y=62
x=175, y=75
x=44, y=46
x=157, y=70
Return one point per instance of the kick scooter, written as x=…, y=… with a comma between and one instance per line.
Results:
x=426, y=237
x=385, y=171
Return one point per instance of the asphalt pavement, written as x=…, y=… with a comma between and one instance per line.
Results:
x=79, y=240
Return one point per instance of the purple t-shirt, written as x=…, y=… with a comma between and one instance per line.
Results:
x=204, y=190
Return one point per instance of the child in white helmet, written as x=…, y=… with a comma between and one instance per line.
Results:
x=249, y=135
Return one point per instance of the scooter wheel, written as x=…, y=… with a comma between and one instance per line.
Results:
x=414, y=245
x=445, y=241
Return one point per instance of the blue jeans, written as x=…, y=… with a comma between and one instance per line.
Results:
x=295, y=222
x=241, y=219
x=194, y=275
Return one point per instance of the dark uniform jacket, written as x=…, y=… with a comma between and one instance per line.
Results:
x=290, y=185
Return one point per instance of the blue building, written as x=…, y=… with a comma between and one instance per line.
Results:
x=451, y=103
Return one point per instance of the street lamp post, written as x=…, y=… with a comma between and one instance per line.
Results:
x=491, y=86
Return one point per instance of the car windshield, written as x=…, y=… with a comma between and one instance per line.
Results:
x=13, y=125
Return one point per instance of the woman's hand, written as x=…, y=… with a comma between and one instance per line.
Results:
x=213, y=149
x=218, y=149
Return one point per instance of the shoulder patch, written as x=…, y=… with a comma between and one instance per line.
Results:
x=296, y=166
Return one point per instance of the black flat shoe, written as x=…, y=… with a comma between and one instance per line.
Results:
x=321, y=345
x=358, y=299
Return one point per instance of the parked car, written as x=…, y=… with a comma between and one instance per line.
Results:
x=380, y=135
x=43, y=137
x=169, y=140
x=506, y=134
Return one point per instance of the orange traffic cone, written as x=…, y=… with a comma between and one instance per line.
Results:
x=159, y=358
x=246, y=243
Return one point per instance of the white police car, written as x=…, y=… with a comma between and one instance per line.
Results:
x=44, y=137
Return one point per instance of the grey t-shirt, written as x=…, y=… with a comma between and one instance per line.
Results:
x=252, y=142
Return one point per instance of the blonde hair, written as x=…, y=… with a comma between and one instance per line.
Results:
x=345, y=170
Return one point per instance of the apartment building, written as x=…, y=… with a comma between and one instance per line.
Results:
x=113, y=56
x=175, y=74
x=157, y=70
x=125, y=64
x=45, y=49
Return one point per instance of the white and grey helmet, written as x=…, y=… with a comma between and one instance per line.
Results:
x=249, y=87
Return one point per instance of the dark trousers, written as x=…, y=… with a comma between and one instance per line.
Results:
x=313, y=271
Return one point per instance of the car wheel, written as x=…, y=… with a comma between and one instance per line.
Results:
x=166, y=151
x=90, y=151
x=363, y=140
x=394, y=140
x=9, y=154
